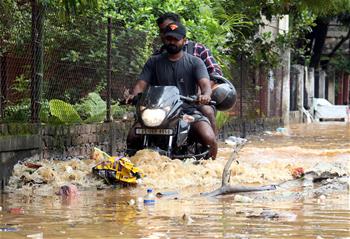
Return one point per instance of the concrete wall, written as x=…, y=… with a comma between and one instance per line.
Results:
x=322, y=84
x=309, y=86
x=78, y=140
x=279, y=25
x=295, y=117
x=14, y=148
x=243, y=127
x=331, y=86
x=20, y=141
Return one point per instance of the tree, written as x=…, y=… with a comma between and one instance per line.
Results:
x=324, y=12
x=308, y=28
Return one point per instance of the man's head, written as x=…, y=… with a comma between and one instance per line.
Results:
x=164, y=20
x=174, y=37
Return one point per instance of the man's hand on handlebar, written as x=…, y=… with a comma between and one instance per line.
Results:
x=204, y=99
x=127, y=97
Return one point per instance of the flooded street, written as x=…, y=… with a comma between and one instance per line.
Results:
x=294, y=210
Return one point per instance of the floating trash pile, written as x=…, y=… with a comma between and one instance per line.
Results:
x=45, y=177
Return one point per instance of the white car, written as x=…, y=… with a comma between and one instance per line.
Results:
x=325, y=111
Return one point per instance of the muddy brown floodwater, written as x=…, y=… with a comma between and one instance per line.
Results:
x=33, y=210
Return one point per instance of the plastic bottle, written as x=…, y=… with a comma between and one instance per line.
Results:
x=281, y=130
x=149, y=199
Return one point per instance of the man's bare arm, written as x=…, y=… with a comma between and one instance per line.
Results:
x=205, y=87
x=139, y=87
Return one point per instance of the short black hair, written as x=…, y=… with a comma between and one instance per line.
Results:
x=168, y=15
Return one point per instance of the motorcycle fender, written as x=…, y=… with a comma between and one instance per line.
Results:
x=182, y=133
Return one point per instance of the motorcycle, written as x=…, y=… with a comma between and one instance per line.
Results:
x=164, y=127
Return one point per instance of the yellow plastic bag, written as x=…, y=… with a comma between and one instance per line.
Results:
x=115, y=169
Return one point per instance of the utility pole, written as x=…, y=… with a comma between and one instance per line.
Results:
x=37, y=59
x=283, y=26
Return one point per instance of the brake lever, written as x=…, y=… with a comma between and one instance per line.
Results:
x=212, y=102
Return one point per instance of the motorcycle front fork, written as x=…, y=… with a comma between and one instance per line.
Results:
x=170, y=143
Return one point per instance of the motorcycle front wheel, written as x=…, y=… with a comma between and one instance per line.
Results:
x=195, y=151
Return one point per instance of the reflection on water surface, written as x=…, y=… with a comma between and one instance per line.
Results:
x=107, y=213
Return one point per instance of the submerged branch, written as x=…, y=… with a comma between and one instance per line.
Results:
x=226, y=174
x=226, y=188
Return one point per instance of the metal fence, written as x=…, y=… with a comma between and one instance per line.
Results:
x=43, y=60
x=65, y=64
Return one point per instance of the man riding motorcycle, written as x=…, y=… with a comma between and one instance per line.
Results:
x=195, y=49
x=178, y=68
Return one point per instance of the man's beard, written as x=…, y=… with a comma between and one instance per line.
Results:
x=172, y=49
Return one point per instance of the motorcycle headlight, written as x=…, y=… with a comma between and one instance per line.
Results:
x=153, y=117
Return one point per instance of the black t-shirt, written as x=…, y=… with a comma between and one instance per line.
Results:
x=184, y=73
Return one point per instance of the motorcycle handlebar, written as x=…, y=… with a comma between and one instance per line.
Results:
x=190, y=99
x=194, y=99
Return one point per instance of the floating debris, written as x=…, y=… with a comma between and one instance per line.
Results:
x=16, y=210
x=321, y=199
x=234, y=141
x=39, y=235
x=166, y=194
x=297, y=172
x=242, y=199
x=187, y=218
x=270, y=214
x=115, y=169
x=68, y=190
x=9, y=229
x=131, y=202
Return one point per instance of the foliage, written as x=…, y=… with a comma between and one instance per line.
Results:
x=91, y=105
x=222, y=118
x=21, y=84
x=259, y=46
x=131, y=52
x=296, y=40
x=311, y=43
x=203, y=19
x=341, y=62
x=75, y=42
x=119, y=111
x=322, y=8
x=19, y=112
x=261, y=49
x=91, y=109
x=14, y=26
x=64, y=112
x=79, y=39
x=227, y=27
x=76, y=7
x=44, y=114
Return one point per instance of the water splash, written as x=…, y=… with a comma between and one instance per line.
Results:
x=264, y=160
